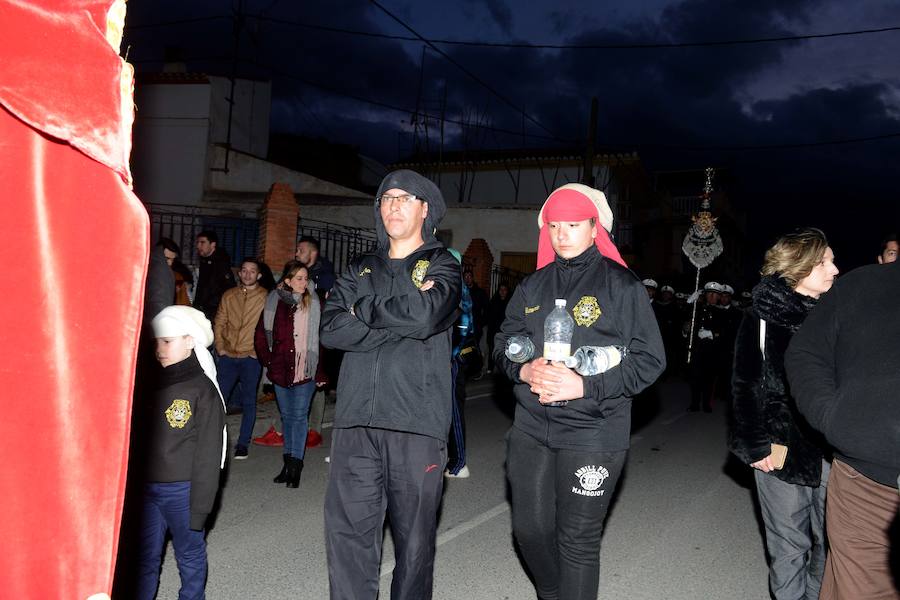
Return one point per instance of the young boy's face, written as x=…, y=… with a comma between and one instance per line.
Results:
x=171, y=350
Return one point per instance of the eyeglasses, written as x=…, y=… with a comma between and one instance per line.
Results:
x=404, y=199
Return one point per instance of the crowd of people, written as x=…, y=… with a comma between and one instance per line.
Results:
x=806, y=371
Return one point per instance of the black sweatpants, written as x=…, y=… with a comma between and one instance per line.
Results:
x=456, y=441
x=559, y=504
x=376, y=472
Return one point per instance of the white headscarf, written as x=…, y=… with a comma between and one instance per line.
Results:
x=175, y=321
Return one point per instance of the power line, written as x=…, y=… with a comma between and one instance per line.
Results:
x=631, y=46
x=393, y=107
x=472, y=75
x=669, y=146
x=789, y=146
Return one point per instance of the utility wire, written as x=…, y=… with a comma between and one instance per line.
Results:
x=669, y=146
x=837, y=142
x=630, y=46
x=331, y=90
x=472, y=75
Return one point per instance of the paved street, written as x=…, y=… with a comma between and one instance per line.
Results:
x=681, y=527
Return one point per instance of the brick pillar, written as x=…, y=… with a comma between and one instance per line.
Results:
x=278, y=227
x=479, y=256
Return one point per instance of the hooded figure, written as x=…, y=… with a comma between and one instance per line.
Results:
x=391, y=311
x=420, y=187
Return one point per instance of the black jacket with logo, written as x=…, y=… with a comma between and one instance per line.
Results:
x=396, y=370
x=182, y=433
x=610, y=307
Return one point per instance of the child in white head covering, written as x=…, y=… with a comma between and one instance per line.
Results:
x=183, y=424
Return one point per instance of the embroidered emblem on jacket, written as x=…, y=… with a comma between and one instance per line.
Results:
x=365, y=272
x=586, y=311
x=178, y=413
x=418, y=272
x=590, y=478
x=531, y=309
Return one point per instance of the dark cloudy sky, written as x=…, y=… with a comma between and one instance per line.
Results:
x=678, y=107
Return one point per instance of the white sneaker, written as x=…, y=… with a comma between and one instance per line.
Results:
x=463, y=473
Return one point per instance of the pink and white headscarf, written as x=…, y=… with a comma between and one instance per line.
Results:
x=576, y=202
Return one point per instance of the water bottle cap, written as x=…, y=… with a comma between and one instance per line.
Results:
x=515, y=348
x=560, y=302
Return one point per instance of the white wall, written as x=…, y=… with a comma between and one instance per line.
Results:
x=495, y=187
x=174, y=126
x=250, y=174
x=171, y=133
x=250, y=118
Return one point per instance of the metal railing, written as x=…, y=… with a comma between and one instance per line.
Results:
x=238, y=236
x=338, y=243
x=504, y=275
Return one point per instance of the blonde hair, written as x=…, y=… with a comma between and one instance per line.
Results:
x=794, y=255
x=291, y=269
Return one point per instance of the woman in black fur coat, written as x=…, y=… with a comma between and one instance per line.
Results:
x=796, y=271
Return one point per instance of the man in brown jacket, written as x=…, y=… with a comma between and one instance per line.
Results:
x=235, y=324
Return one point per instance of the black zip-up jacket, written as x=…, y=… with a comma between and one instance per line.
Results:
x=610, y=307
x=182, y=437
x=396, y=370
x=214, y=278
x=844, y=370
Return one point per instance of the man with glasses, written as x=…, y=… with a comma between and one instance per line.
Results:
x=391, y=312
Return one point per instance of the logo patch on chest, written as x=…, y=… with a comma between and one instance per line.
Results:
x=532, y=309
x=418, y=272
x=178, y=414
x=587, y=311
x=365, y=272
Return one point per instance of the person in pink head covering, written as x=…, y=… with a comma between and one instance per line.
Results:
x=570, y=435
x=577, y=202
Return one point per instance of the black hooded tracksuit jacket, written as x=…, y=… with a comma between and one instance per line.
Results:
x=610, y=307
x=397, y=340
x=396, y=370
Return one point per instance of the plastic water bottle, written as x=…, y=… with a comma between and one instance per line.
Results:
x=558, y=329
x=519, y=349
x=593, y=360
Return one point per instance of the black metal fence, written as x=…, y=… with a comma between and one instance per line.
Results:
x=338, y=243
x=238, y=236
x=506, y=276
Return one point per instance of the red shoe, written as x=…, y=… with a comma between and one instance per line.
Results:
x=270, y=438
x=313, y=439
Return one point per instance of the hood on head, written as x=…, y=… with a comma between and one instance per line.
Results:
x=422, y=187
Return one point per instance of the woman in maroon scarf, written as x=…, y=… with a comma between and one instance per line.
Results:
x=287, y=344
x=570, y=435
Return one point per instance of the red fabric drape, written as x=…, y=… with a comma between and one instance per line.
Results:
x=74, y=250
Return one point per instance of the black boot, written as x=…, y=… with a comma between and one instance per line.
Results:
x=294, y=470
x=283, y=476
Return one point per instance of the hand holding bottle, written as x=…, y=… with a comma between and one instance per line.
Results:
x=593, y=360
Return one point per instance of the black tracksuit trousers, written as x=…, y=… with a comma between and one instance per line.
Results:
x=376, y=472
x=559, y=503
